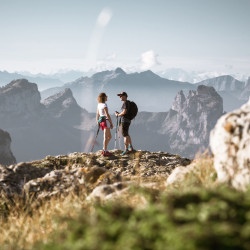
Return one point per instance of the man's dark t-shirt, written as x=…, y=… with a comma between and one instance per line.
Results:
x=125, y=105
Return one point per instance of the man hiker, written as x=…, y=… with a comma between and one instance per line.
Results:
x=125, y=122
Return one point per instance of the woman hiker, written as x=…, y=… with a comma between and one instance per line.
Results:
x=125, y=123
x=105, y=122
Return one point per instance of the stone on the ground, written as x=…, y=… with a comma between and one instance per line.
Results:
x=82, y=173
x=230, y=144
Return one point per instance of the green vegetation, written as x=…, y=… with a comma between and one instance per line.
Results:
x=198, y=219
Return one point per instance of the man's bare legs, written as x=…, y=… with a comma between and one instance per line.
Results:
x=127, y=142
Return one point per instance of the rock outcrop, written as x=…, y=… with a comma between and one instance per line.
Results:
x=57, y=126
x=61, y=103
x=19, y=101
x=245, y=94
x=63, y=174
x=230, y=144
x=64, y=107
x=231, y=90
x=6, y=156
x=190, y=120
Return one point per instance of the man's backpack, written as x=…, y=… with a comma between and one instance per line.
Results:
x=132, y=110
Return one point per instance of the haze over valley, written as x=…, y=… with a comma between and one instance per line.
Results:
x=171, y=114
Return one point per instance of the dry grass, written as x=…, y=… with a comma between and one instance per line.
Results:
x=28, y=224
x=205, y=171
x=31, y=223
x=200, y=173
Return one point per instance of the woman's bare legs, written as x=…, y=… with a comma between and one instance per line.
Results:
x=107, y=138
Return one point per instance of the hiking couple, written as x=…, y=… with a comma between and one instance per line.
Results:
x=105, y=122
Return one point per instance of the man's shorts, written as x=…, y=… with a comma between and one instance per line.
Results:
x=125, y=128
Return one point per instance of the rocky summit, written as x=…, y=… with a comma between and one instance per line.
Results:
x=56, y=126
x=95, y=174
x=190, y=120
x=18, y=95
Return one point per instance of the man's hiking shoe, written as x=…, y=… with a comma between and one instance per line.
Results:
x=125, y=152
x=107, y=153
x=130, y=148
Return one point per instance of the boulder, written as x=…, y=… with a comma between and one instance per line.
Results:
x=230, y=144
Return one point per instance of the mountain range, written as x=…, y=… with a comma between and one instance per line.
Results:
x=150, y=91
x=86, y=87
x=43, y=81
x=58, y=125
x=40, y=128
x=196, y=76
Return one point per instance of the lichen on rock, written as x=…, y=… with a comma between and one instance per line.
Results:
x=230, y=144
x=77, y=172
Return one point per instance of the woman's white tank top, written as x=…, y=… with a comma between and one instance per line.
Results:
x=101, y=107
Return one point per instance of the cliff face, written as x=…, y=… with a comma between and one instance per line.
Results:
x=39, y=129
x=6, y=156
x=60, y=103
x=245, y=94
x=190, y=120
x=64, y=107
x=20, y=97
x=233, y=92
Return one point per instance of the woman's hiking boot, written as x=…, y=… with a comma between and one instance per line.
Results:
x=106, y=153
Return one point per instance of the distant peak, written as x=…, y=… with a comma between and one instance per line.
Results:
x=202, y=89
x=19, y=84
x=64, y=93
x=59, y=97
x=67, y=92
x=224, y=77
x=227, y=77
x=119, y=71
x=149, y=73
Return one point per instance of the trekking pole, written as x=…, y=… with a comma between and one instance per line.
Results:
x=95, y=137
x=116, y=130
x=119, y=134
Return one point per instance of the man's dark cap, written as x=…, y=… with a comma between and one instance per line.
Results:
x=122, y=94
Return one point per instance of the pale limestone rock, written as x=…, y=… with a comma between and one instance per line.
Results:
x=230, y=144
x=177, y=176
x=106, y=192
x=81, y=173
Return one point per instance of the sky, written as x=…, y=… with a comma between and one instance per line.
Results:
x=45, y=36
